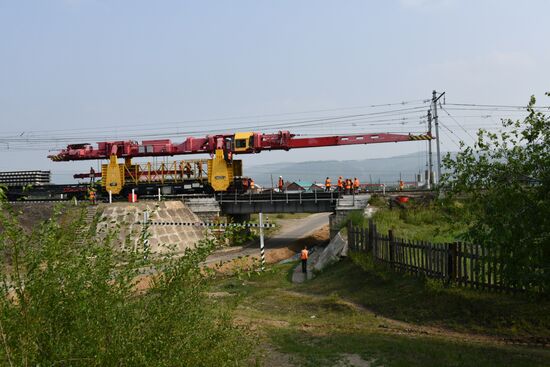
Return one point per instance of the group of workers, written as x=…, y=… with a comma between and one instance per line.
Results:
x=188, y=171
x=248, y=184
x=346, y=186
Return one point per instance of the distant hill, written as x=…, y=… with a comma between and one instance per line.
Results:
x=385, y=170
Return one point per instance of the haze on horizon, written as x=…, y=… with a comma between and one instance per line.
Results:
x=77, y=71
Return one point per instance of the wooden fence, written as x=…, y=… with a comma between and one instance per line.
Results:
x=464, y=264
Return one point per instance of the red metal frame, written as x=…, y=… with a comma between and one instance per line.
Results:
x=283, y=140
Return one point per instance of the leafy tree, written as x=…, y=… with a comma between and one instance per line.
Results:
x=505, y=179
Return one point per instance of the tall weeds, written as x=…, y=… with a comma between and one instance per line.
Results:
x=65, y=302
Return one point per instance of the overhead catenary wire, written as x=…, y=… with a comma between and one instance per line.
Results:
x=292, y=123
x=451, y=139
x=458, y=123
x=451, y=131
x=302, y=123
x=496, y=105
x=244, y=117
x=374, y=120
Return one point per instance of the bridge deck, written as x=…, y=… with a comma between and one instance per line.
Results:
x=285, y=202
x=278, y=202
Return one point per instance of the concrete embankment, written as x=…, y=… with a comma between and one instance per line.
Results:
x=126, y=218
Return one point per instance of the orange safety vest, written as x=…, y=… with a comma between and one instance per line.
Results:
x=281, y=183
x=401, y=184
x=356, y=183
x=340, y=184
x=252, y=184
x=304, y=254
x=327, y=182
x=348, y=184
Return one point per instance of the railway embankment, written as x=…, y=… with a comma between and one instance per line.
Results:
x=167, y=231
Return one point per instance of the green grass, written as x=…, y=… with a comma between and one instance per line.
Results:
x=429, y=302
x=420, y=224
x=317, y=323
x=391, y=350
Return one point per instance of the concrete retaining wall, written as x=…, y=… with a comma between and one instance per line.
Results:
x=124, y=218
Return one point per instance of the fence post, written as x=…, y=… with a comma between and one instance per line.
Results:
x=451, y=262
x=392, y=248
x=351, y=238
x=374, y=238
x=371, y=232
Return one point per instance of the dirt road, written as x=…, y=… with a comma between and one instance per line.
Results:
x=291, y=231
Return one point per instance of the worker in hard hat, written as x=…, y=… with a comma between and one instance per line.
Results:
x=198, y=172
x=187, y=169
x=92, y=195
x=340, y=184
x=348, y=185
x=356, y=185
x=327, y=184
x=303, y=256
x=92, y=176
x=281, y=184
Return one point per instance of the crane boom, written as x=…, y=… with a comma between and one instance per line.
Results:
x=238, y=143
x=222, y=168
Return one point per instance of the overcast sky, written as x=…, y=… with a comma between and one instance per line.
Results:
x=88, y=71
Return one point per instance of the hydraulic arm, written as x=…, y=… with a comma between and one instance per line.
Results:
x=222, y=148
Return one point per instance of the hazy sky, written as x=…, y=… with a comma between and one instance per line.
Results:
x=88, y=71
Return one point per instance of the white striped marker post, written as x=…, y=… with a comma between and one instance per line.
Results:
x=262, y=250
x=144, y=233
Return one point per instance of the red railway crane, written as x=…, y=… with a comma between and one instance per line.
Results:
x=222, y=167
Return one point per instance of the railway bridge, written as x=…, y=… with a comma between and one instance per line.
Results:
x=240, y=206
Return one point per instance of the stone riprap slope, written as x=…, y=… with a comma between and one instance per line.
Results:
x=125, y=217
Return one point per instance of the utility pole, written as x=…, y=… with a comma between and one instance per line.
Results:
x=435, y=98
x=430, y=158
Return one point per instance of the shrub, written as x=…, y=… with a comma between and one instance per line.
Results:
x=69, y=302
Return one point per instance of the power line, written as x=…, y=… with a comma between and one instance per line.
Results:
x=462, y=127
x=451, y=131
x=358, y=118
x=451, y=139
x=245, y=117
x=496, y=105
x=498, y=109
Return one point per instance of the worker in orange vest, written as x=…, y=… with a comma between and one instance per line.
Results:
x=348, y=186
x=187, y=169
x=356, y=185
x=327, y=184
x=303, y=256
x=252, y=184
x=199, y=169
x=401, y=185
x=92, y=196
x=281, y=184
x=340, y=184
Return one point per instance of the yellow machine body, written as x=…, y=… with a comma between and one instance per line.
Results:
x=221, y=171
x=112, y=176
x=243, y=142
